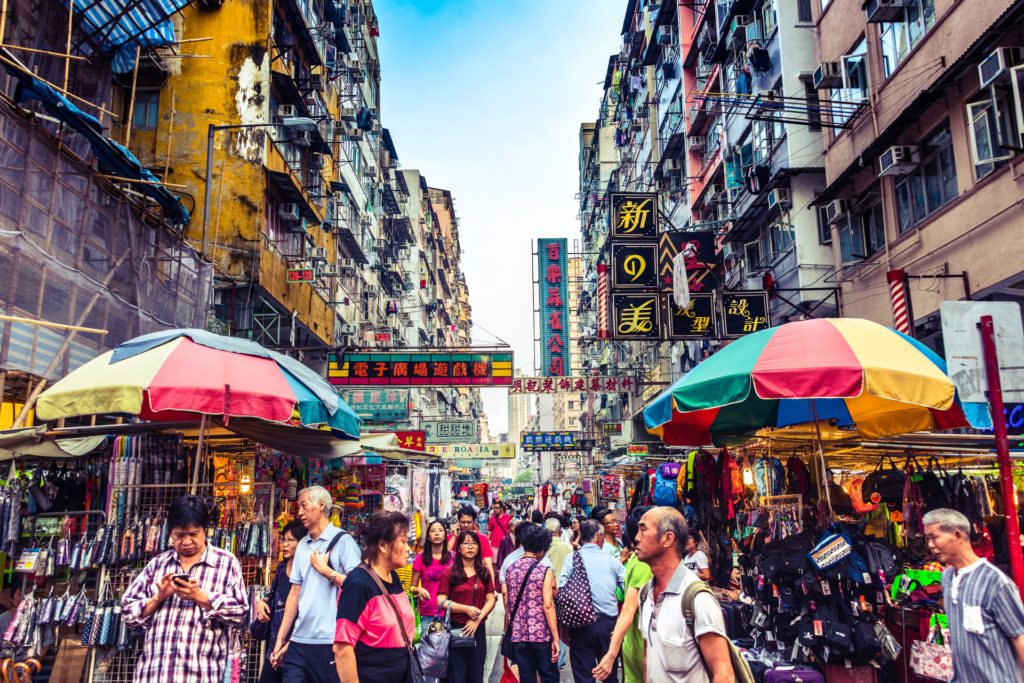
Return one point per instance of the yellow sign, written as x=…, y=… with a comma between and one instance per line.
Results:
x=472, y=450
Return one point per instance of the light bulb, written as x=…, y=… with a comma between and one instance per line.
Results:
x=748, y=477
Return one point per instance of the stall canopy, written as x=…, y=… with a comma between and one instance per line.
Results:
x=319, y=443
x=36, y=442
x=117, y=27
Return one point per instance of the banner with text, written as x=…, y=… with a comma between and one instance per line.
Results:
x=423, y=369
x=570, y=385
x=553, y=294
x=487, y=451
x=550, y=441
x=450, y=431
x=379, y=405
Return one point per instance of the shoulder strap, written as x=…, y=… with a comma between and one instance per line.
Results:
x=391, y=601
x=689, y=597
x=331, y=544
x=519, y=597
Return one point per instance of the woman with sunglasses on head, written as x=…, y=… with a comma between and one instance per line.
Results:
x=427, y=570
x=468, y=591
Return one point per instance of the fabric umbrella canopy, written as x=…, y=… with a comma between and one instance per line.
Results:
x=861, y=377
x=180, y=374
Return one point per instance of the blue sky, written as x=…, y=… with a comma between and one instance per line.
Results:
x=485, y=98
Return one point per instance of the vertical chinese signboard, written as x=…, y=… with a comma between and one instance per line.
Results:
x=744, y=313
x=553, y=281
x=634, y=216
x=697, y=321
x=635, y=305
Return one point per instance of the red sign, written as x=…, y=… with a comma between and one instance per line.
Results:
x=382, y=336
x=415, y=440
x=300, y=275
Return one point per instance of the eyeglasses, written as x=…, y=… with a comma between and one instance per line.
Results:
x=469, y=544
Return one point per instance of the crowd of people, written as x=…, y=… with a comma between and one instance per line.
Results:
x=582, y=593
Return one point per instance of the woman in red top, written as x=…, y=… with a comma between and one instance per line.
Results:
x=497, y=527
x=468, y=590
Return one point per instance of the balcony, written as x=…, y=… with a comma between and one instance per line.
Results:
x=285, y=178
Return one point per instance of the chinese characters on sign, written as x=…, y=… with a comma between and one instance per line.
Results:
x=634, y=265
x=553, y=283
x=412, y=440
x=565, y=385
x=420, y=369
x=699, y=254
x=637, y=449
x=472, y=450
x=634, y=216
x=697, y=321
x=744, y=313
x=450, y=431
x=636, y=316
x=378, y=406
x=550, y=441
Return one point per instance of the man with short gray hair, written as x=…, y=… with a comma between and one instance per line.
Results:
x=986, y=617
x=322, y=560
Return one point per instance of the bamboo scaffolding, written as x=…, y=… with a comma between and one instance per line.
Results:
x=46, y=52
x=59, y=89
x=47, y=323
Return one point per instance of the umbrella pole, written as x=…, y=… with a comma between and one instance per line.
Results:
x=199, y=454
x=821, y=454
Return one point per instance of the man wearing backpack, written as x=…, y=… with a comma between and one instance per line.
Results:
x=681, y=621
x=305, y=654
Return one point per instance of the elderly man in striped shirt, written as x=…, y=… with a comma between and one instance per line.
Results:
x=187, y=599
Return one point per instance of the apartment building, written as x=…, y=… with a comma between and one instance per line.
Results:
x=925, y=180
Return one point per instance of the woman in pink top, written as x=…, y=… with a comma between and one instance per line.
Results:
x=497, y=526
x=427, y=570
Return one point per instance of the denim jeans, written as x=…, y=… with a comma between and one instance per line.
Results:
x=534, y=659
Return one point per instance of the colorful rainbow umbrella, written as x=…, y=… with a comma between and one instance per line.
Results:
x=181, y=374
x=861, y=377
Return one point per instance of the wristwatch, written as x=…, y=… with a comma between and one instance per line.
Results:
x=332, y=577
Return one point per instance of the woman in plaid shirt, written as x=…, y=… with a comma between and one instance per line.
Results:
x=187, y=620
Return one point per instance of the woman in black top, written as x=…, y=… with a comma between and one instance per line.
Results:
x=270, y=610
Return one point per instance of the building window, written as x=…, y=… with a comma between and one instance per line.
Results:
x=572, y=405
x=803, y=10
x=824, y=229
x=766, y=15
x=855, y=84
x=147, y=109
x=862, y=233
x=995, y=119
x=931, y=185
x=900, y=37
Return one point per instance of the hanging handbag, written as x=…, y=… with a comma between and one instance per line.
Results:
x=508, y=648
x=433, y=652
x=574, y=604
x=415, y=671
x=888, y=483
x=930, y=659
x=458, y=640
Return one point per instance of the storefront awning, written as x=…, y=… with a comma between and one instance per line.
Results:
x=35, y=442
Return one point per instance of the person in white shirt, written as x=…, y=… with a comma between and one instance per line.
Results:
x=674, y=654
x=696, y=561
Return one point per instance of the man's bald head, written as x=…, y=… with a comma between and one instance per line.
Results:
x=653, y=528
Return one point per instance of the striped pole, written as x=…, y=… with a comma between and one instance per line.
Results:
x=603, y=331
x=900, y=305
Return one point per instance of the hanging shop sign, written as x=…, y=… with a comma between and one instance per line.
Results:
x=379, y=405
x=696, y=321
x=450, y=431
x=637, y=449
x=744, y=313
x=634, y=216
x=570, y=385
x=413, y=440
x=553, y=293
x=612, y=427
x=636, y=316
x=699, y=255
x=469, y=463
x=382, y=337
x=300, y=275
x=488, y=451
x=635, y=265
x=550, y=441
x=420, y=369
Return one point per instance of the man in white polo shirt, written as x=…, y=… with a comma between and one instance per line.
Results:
x=672, y=650
x=322, y=560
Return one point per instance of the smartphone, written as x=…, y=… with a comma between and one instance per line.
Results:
x=182, y=578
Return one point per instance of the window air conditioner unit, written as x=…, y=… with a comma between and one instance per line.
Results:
x=898, y=160
x=664, y=35
x=298, y=227
x=287, y=111
x=995, y=67
x=316, y=82
x=677, y=164
x=318, y=254
x=780, y=197
x=329, y=271
x=370, y=171
x=348, y=328
x=885, y=11
x=371, y=290
x=836, y=210
x=289, y=212
x=695, y=143
x=827, y=76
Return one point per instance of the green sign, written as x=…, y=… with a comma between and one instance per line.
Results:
x=379, y=405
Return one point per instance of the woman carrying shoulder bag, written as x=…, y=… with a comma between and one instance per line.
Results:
x=532, y=631
x=467, y=590
x=270, y=610
x=372, y=642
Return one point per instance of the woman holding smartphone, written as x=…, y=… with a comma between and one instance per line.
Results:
x=468, y=590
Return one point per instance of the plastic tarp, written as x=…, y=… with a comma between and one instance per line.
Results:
x=319, y=443
x=33, y=442
x=117, y=27
x=113, y=157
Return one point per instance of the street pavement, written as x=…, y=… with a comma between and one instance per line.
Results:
x=493, y=667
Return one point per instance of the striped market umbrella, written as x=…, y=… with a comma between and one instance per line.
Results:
x=178, y=375
x=865, y=379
